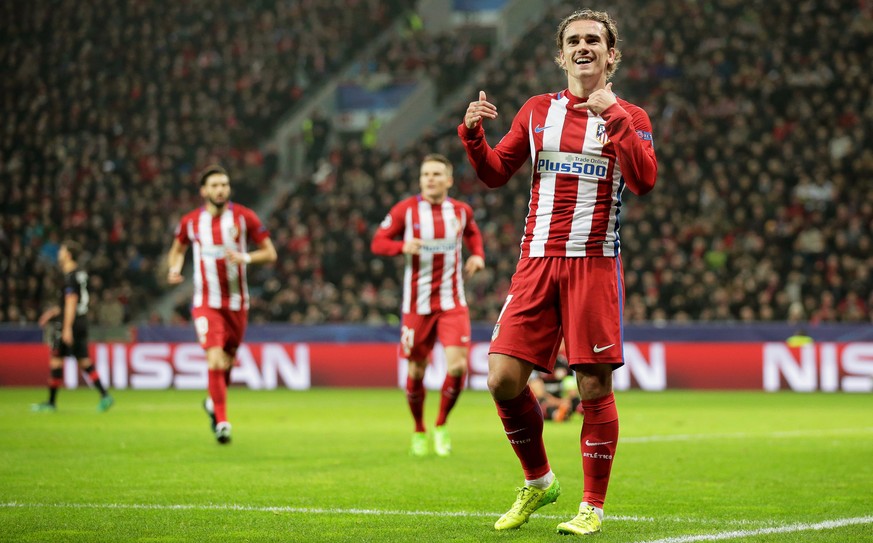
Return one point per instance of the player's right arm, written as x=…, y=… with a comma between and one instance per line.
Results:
x=494, y=166
x=49, y=314
x=385, y=240
x=175, y=261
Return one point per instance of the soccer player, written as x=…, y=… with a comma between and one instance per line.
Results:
x=428, y=228
x=220, y=233
x=68, y=330
x=585, y=145
x=556, y=392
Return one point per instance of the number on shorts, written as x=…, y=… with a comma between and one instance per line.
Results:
x=201, y=326
x=506, y=303
x=407, y=339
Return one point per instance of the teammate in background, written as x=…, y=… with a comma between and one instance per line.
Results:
x=69, y=329
x=556, y=392
x=430, y=227
x=220, y=232
x=585, y=145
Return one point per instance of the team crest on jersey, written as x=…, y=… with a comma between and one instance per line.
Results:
x=454, y=226
x=601, y=134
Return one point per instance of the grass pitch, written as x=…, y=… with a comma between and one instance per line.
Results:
x=332, y=465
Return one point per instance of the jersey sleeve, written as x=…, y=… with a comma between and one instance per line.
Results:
x=472, y=235
x=257, y=232
x=495, y=166
x=630, y=130
x=385, y=240
x=181, y=234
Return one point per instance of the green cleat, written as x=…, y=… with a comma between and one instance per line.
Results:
x=419, y=444
x=442, y=443
x=43, y=407
x=587, y=522
x=105, y=403
x=529, y=499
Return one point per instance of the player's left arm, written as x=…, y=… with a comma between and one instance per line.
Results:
x=630, y=130
x=473, y=241
x=71, y=299
x=266, y=251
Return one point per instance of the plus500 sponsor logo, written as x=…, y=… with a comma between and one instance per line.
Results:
x=572, y=164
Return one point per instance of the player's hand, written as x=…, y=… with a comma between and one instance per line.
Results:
x=599, y=100
x=67, y=336
x=174, y=277
x=479, y=110
x=474, y=263
x=235, y=257
x=412, y=246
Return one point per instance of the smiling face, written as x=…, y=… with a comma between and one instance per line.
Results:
x=584, y=51
x=575, y=40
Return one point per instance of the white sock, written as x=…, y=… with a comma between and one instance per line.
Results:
x=597, y=510
x=541, y=482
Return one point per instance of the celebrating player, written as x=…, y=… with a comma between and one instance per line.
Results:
x=431, y=226
x=585, y=145
x=69, y=328
x=220, y=232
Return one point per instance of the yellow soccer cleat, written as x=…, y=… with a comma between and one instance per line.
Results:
x=419, y=444
x=587, y=522
x=529, y=499
x=442, y=443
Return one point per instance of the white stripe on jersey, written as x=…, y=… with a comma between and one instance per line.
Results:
x=407, y=270
x=234, y=298
x=198, y=277
x=425, y=260
x=447, y=298
x=210, y=263
x=244, y=248
x=546, y=203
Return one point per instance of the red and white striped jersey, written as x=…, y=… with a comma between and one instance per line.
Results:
x=217, y=283
x=433, y=280
x=580, y=162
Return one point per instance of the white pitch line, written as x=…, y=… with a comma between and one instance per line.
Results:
x=744, y=435
x=758, y=524
x=788, y=528
x=285, y=509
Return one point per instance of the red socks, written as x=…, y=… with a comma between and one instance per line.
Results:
x=415, y=398
x=218, y=393
x=598, y=441
x=523, y=423
x=452, y=387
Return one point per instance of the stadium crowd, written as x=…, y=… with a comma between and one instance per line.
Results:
x=110, y=109
x=764, y=133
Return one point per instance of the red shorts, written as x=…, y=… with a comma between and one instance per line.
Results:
x=220, y=327
x=420, y=332
x=578, y=299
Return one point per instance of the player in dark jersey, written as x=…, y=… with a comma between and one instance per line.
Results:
x=556, y=392
x=68, y=329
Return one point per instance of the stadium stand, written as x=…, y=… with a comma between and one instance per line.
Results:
x=763, y=209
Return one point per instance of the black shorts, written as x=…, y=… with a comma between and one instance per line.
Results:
x=78, y=349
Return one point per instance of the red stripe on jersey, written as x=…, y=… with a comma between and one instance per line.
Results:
x=439, y=260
